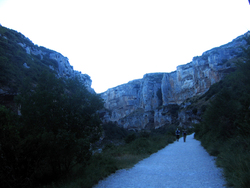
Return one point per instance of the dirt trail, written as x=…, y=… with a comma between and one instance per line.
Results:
x=181, y=164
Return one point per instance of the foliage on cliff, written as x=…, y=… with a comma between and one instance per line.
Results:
x=53, y=134
x=13, y=56
x=225, y=129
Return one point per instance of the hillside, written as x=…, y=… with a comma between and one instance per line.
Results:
x=21, y=59
x=48, y=118
x=225, y=126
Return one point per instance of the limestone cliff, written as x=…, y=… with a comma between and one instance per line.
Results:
x=66, y=70
x=127, y=101
x=146, y=103
x=63, y=69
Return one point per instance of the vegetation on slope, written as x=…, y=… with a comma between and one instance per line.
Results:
x=13, y=56
x=53, y=134
x=121, y=149
x=225, y=129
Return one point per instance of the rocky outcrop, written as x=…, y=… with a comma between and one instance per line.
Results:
x=63, y=68
x=142, y=104
x=197, y=76
x=66, y=70
x=122, y=100
x=136, y=99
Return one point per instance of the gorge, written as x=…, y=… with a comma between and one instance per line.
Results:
x=156, y=100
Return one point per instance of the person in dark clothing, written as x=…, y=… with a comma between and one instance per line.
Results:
x=177, y=133
x=184, y=134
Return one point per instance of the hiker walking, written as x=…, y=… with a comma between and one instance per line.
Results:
x=184, y=134
x=177, y=133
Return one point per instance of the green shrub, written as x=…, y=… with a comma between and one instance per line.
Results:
x=53, y=134
x=131, y=137
x=144, y=134
x=141, y=146
x=9, y=151
x=235, y=159
x=225, y=129
x=114, y=157
x=113, y=132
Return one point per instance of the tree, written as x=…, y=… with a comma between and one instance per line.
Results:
x=9, y=150
x=58, y=123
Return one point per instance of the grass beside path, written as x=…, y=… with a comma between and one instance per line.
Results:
x=113, y=158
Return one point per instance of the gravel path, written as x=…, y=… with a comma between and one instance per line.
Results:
x=181, y=164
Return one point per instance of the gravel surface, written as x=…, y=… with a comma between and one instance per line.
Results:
x=181, y=164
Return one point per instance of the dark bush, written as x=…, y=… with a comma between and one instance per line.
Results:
x=114, y=132
x=225, y=128
x=194, y=111
x=131, y=137
x=53, y=134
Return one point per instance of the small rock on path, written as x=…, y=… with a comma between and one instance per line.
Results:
x=180, y=164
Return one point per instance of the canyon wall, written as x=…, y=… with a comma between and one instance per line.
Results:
x=147, y=103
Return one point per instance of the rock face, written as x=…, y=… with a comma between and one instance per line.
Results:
x=63, y=69
x=66, y=70
x=143, y=104
x=129, y=101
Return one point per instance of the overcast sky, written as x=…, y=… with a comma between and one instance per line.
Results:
x=116, y=41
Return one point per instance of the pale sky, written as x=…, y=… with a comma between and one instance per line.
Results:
x=116, y=41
